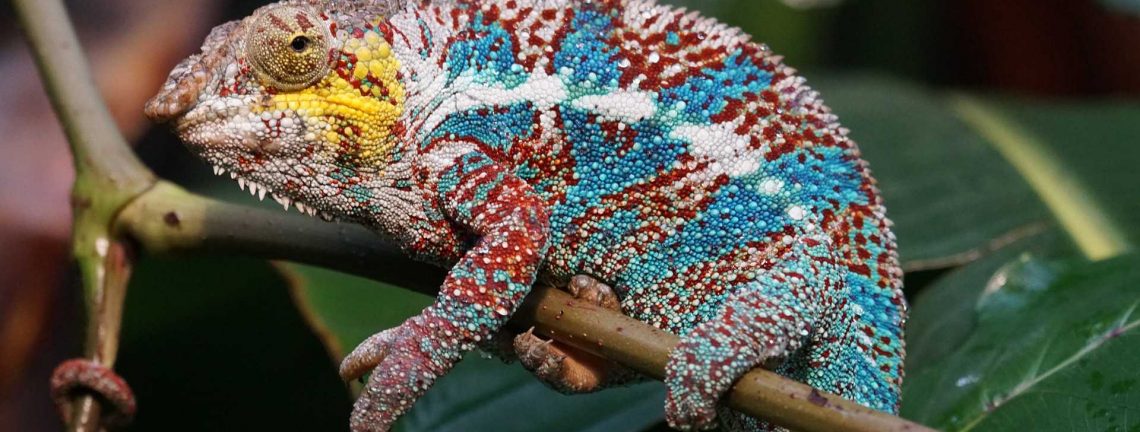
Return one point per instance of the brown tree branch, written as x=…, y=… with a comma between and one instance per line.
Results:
x=117, y=199
x=169, y=220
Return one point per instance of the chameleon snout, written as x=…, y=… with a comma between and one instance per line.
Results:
x=189, y=79
x=180, y=93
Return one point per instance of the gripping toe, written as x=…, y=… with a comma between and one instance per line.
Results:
x=588, y=289
x=561, y=367
x=366, y=356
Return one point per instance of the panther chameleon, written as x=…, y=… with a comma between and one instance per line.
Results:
x=657, y=152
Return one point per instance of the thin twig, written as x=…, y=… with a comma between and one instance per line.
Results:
x=169, y=220
x=962, y=258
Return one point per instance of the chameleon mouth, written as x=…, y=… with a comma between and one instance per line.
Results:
x=261, y=191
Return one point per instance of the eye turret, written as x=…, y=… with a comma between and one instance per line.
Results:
x=288, y=47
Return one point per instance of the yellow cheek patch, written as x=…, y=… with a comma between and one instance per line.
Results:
x=354, y=108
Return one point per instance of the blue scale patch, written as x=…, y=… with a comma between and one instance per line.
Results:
x=851, y=363
x=707, y=94
x=587, y=56
x=604, y=170
x=717, y=230
x=485, y=49
x=499, y=129
x=818, y=179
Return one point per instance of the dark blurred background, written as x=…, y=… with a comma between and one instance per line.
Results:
x=1048, y=49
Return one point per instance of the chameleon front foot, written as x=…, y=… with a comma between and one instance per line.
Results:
x=83, y=375
x=404, y=361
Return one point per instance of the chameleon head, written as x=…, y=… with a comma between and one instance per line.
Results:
x=293, y=100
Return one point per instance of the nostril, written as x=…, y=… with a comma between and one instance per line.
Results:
x=185, y=98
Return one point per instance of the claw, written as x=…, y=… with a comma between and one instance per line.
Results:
x=591, y=290
x=580, y=282
x=553, y=364
x=563, y=367
x=539, y=349
x=83, y=375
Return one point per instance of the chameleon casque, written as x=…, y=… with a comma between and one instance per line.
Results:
x=656, y=151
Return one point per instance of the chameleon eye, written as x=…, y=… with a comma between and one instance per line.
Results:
x=300, y=43
x=288, y=48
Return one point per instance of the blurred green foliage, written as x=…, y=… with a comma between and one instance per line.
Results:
x=888, y=36
x=1129, y=6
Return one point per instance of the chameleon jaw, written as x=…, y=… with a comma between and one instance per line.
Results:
x=224, y=130
x=261, y=191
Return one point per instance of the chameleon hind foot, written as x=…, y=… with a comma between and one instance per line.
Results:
x=559, y=366
x=563, y=367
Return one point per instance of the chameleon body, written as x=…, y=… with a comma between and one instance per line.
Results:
x=648, y=147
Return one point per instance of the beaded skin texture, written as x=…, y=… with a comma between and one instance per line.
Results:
x=655, y=150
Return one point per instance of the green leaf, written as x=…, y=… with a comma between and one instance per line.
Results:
x=1052, y=348
x=485, y=394
x=480, y=393
x=942, y=316
x=1055, y=179
x=1096, y=144
x=946, y=188
x=347, y=309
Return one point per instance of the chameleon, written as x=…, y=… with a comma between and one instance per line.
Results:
x=695, y=180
